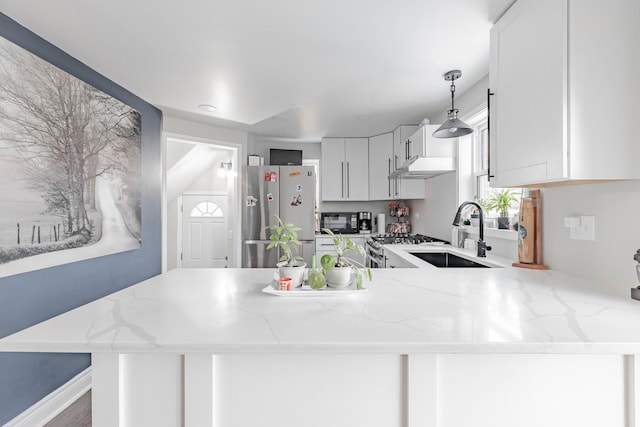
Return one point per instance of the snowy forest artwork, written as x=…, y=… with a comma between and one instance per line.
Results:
x=69, y=167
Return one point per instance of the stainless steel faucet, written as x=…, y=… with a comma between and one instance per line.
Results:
x=482, y=245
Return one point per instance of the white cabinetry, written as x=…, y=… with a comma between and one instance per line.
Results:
x=564, y=104
x=392, y=260
x=422, y=143
x=405, y=188
x=380, y=166
x=400, y=144
x=345, y=169
x=324, y=245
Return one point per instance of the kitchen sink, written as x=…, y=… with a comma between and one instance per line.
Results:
x=447, y=260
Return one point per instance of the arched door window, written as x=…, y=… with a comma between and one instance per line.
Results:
x=206, y=210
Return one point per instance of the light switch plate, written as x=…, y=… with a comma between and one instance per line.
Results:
x=588, y=227
x=583, y=229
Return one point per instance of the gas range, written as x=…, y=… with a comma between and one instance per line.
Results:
x=375, y=253
x=403, y=239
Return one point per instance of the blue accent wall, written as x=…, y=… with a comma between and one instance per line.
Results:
x=29, y=298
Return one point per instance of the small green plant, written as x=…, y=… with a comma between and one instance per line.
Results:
x=483, y=203
x=316, y=276
x=501, y=201
x=285, y=236
x=343, y=245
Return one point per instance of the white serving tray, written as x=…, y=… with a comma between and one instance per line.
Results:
x=305, y=291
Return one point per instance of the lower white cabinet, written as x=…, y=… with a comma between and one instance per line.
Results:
x=395, y=261
x=324, y=245
x=317, y=389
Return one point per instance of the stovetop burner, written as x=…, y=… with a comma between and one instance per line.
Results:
x=406, y=239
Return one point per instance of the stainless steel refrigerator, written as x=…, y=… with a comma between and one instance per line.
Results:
x=286, y=191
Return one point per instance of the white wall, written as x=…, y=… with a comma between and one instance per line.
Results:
x=172, y=234
x=608, y=259
x=433, y=215
x=193, y=129
x=468, y=102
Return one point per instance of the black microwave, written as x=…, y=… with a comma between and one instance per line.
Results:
x=339, y=222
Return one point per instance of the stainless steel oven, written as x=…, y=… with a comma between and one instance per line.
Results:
x=374, y=246
x=375, y=254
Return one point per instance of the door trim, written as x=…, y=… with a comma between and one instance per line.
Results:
x=234, y=192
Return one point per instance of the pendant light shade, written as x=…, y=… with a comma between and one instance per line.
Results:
x=453, y=127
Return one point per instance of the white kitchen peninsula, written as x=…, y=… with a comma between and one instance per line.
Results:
x=422, y=347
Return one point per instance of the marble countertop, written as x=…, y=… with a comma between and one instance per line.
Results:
x=497, y=310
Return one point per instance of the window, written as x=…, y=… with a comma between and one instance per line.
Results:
x=206, y=210
x=482, y=189
x=480, y=145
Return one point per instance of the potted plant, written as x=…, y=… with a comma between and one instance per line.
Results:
x=338, y=268
x=475, y=215
x=501, y=201
x=285, y=237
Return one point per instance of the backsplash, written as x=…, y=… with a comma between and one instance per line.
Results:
x=608, y=259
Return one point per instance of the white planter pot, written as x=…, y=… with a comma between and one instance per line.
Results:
x=296, y=272
x=338, y=277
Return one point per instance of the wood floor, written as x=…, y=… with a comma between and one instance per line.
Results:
x=78, y=414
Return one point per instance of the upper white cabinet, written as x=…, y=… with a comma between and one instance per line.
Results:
x=380, y=166
x=401, y=150
x=405, y=188
x=564, y=74
x=345, y=169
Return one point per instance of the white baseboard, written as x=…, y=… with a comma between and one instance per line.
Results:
x=54, y=403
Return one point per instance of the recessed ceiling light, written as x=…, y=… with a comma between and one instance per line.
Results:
x=208, y=107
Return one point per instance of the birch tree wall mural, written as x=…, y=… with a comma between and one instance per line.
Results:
x=69, y=167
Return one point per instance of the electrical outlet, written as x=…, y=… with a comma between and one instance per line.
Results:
x=588, y=228
x=581, y=228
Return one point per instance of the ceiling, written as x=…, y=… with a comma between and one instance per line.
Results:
x=291, y=69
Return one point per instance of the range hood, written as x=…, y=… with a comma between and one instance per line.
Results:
x=426, y=156
x=424, y=167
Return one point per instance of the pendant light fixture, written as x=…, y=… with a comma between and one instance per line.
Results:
x=453, y=127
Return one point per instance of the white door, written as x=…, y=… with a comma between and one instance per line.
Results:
x=204, y=231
